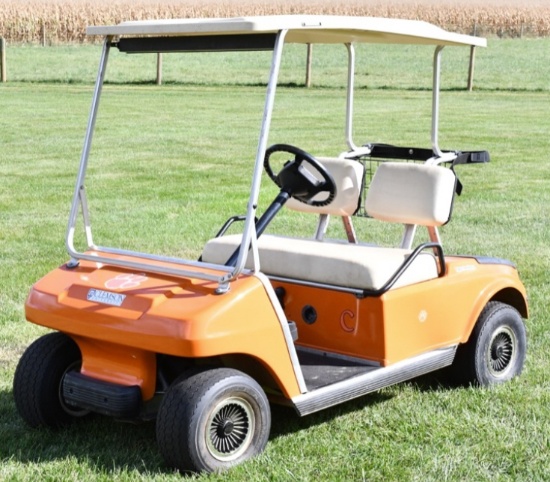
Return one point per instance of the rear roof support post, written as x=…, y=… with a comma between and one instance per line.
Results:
x=439, y=155
x=435, y=100
x=349, y=103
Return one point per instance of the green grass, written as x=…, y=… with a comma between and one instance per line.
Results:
x=414, y=431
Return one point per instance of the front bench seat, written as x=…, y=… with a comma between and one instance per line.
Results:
x=399, y=192
x=336, y=263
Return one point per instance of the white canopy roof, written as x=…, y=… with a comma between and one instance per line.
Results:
x=301, y=29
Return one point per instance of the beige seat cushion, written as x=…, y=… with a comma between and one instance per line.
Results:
x=328, y=262
x=348, y=179
x=411, y=194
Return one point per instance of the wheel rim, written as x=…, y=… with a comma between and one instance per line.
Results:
x=230, y=428
x=501, y=353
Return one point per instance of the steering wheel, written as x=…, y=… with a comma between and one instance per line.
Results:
x=297, y=180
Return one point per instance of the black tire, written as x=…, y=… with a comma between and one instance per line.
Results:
x=38, y=380
x=212, y=420
x=496, y=350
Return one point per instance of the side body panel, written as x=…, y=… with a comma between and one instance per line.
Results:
x=403, y=322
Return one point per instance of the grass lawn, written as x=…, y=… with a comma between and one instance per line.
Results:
x=169, y=164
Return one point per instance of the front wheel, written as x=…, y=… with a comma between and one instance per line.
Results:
x=212, y=420
x=37, y=384
x=496, y=349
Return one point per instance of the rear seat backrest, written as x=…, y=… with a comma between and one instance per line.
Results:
x=348, y=177
x=411, y=194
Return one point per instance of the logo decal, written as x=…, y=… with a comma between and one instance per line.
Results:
x=344, y=325
x=466, y=268
x=105, y=297
x=125, y=281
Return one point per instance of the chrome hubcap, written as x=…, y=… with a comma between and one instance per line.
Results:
x=230, y=428
x=501, y=352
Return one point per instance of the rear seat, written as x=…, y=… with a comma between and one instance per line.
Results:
x=399, y=192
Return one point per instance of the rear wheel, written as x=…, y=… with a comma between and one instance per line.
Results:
x=496, y=349
x=213, y=420
x=37, y=384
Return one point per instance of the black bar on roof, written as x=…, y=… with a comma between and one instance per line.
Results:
x=396, y=152
x=201, y=43
x=387, y=151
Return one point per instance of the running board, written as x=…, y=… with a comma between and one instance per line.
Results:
x=376, y=379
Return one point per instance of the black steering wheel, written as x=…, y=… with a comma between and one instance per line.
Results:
x=297, y=180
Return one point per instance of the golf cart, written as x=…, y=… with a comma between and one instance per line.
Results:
x=204, y=346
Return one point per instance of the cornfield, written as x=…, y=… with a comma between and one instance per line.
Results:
x=64, y=21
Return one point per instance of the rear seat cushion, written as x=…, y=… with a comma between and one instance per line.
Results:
x=328, y=262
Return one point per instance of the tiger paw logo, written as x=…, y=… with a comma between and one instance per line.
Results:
x=125, y=281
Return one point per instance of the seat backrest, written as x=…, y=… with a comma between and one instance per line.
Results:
x=348, y=177
x=410, y=193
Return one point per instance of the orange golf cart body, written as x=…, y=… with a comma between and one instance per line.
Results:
x=306, y=322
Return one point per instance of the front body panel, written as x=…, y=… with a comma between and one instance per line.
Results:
x=157, y=314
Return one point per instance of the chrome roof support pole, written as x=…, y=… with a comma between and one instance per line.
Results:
x=439, y=156
x=79, y=197
x=435, y=99
x=349, y=103
x=249, y=233
x=354, y=150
